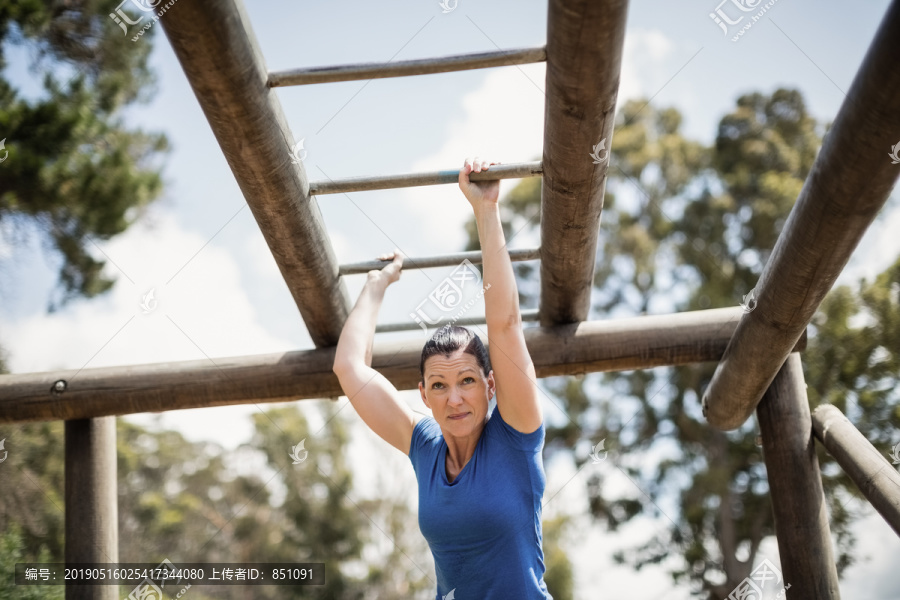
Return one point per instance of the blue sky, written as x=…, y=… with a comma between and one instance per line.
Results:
x=228, y=297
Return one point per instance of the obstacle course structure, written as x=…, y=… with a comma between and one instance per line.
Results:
x=758, y=352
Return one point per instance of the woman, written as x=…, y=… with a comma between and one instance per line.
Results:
x=480, y=476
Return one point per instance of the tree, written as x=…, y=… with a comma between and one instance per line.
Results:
x=73, y=170
x=687, y=227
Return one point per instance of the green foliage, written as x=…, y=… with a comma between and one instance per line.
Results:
x=689, y=227
x=74, y=170
x=11, y=552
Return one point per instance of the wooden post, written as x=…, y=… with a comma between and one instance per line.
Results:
x=795, y=485
x=616, y=345
x=584, y=57
x=875, y=477
x=215, y=45
x=848, y=184
x=92, y=528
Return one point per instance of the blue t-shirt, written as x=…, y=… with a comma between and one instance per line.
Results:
x=484, y=529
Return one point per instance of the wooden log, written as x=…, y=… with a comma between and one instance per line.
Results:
x=527, y=315
x=584, y=56
x=443, y=260
x=618, y=345
x=92, y=527
x=795, y=485
x=362, y=184
x=404, y=68
x=215, y=45
x=876, y=478
x=850, y=181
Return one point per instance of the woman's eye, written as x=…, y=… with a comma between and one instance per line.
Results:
x=469, y=380
x=437, y=385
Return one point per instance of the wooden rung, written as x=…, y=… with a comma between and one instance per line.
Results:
x=385, y=182
x=868, y=467
x=444, y=260
x=531, y=314
x=404, y=68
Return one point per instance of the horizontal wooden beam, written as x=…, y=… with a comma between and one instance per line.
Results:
x=527, y=315
x=404, y=68
x=443, y=260
x=849, y=183
x=386, y=182
x=875, y=477
x=795, y=484
x=214, y=43
x=618, y=345
x=584, y=57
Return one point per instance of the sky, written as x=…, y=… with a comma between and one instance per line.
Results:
x=220, y=293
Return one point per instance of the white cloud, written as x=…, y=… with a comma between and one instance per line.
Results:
x=202, y=313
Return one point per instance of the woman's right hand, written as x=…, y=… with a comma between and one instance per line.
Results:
x=390, y=273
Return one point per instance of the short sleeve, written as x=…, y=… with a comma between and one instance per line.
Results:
x=526, y=442
x=423, y=434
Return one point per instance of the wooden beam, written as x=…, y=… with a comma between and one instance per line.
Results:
x=404, y=68
x=875, y=477
x=795, y=485
x=216, y=47
x=443, y=260
x=92, y=527
x=584, y=56
x=527, y=315
x=363, y=184
x=618, y=345
x=850, y=181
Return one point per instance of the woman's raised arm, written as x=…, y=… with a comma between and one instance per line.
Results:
x=371, y=394
x=517, y=392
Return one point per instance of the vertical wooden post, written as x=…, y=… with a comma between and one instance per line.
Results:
x=92, y=534
x=795, y=485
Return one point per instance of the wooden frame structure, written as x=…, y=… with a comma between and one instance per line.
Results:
x=849, y=183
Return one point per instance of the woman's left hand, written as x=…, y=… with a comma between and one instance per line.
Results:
x=478, y=192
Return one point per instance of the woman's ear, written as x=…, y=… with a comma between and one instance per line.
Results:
x=422, y=391
x=492, y=385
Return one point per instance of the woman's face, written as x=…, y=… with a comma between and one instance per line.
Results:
x=457, y=392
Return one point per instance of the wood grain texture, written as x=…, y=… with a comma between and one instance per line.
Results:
x=384, y=182
x=618, y=345
x=443, y=260
x=876, y=478
x=584, y=56
x=795, y=484
x=92, y=526
x=216, y=47
x=849, y=183
x=405, y=68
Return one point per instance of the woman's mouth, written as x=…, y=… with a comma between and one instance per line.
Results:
x=458, y=417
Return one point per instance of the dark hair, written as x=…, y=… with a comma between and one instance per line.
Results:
x=449, y=339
